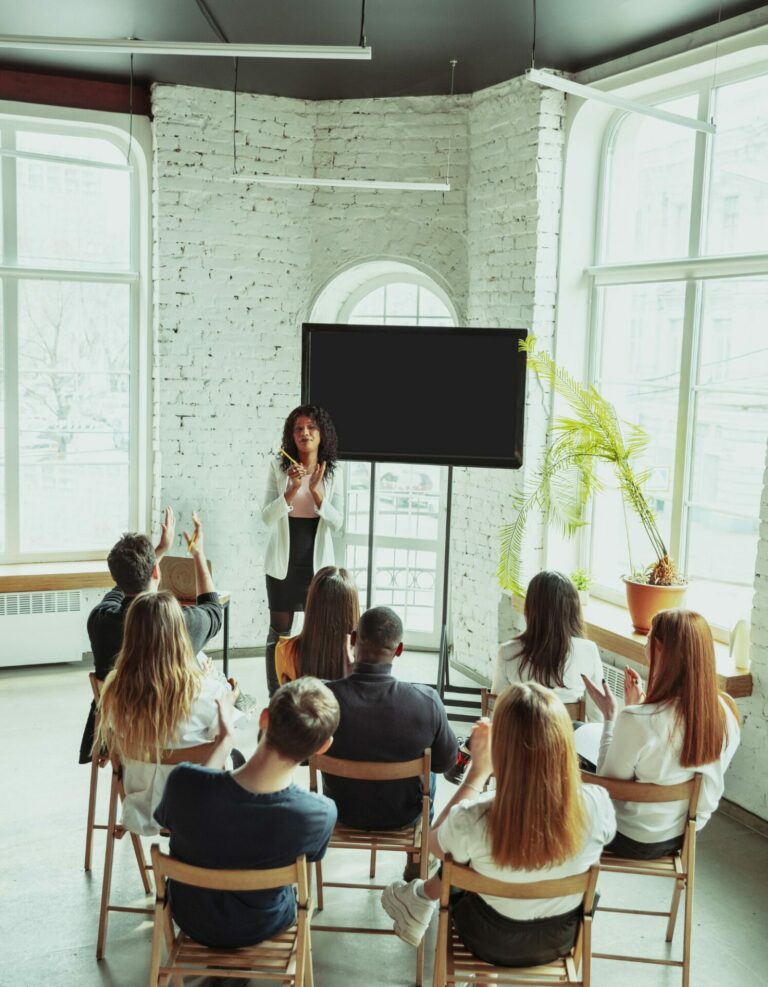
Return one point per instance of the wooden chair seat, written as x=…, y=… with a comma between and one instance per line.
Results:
x=285, y=958
x=463, y=966
x=455, y=964
x=401, y=840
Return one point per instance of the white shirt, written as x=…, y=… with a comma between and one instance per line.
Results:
x=144, y=782
x=275, y=513
x=464, y=834
x=644, y=744
x=582, y=658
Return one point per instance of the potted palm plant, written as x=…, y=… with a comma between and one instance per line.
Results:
x=592, y=434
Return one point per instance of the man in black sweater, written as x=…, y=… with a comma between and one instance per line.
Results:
x=133, y=564
x=383, y=719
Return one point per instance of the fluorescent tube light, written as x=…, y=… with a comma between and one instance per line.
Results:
x=130, y=46
x=345, y=183
x=589, y=92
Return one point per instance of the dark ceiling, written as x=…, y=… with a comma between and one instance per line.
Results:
x=412, y=40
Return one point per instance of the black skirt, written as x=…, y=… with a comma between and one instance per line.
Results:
x=290, y=594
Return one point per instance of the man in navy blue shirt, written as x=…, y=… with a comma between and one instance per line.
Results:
x=255, y=817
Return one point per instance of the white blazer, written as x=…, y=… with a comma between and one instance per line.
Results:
x=275, y=513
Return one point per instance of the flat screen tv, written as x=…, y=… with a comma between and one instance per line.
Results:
x=419, y=394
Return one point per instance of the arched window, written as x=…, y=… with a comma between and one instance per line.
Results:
x=409, y=501
x=73, y=303
x=679, y=339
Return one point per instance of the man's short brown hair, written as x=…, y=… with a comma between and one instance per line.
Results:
x=302, y=715
x=131, y=562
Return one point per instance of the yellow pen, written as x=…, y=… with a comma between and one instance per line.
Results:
x=290, y=458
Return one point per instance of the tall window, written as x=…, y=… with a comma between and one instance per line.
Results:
x=69, y=284
x=681, y=337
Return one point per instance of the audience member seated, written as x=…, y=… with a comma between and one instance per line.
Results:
x=384, y=719
x=156, y=698
x=255, y=817
x=539, y=824
x=134, y=566
x=552, y=649
x=322, y=648
x=681, y=726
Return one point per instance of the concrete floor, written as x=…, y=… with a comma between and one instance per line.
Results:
x=50, y=905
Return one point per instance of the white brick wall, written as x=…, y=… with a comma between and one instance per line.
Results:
x=747, y=778
x=513, y=202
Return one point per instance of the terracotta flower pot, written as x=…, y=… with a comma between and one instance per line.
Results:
x=644, y=601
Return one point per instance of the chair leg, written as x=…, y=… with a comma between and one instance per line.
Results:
x=309, y=975
x=141, y=861
x=106, y=882
x=674, y=908
x=420, y=963
x=372, y=871
x=319, y=872
x=154, y=960
x=91, y=810
x=688, y=919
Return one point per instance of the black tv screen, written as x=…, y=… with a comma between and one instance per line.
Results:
x=419, y=394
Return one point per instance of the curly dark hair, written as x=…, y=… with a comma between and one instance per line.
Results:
x=328, y=451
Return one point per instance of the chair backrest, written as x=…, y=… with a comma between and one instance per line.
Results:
x=639, y=791
x=459, y=876
x=165, y=866
x=419, y=767
x=576, y=711
x=198, y=754
x=177, y=575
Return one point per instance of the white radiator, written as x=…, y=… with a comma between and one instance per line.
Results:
x=615, y=679
x=38, y=628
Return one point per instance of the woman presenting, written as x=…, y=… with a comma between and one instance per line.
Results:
x=303, y=507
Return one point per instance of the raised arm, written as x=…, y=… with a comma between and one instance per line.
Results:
x=168, y=533
x=196, y=548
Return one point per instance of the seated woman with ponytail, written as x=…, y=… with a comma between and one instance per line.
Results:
x=682, y=725
x=539, y=824
x=156, y=698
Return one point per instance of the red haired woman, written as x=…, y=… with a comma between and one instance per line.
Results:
x=539, y=824
x=680, y=726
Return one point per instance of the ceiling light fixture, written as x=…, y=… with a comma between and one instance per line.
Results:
x=207, y=49
x=552, y=81
x=372, y=184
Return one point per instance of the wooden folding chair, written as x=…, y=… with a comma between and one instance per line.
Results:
x=576, y=711
x=454, y=963
x=115, y=831
x=679, y=867
x=286, y=957
x=412, y=840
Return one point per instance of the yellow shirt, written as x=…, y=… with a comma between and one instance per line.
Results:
x=287, y=660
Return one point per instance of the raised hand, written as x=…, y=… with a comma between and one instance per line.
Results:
x=195, y=540
x=602, y=698
x=168, y=529
x=317, y=476
x=634, y=693
x=295, y=476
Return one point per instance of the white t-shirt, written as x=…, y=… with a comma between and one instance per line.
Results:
x=144, y=782
x=464, y=834
x=582, y=658
x=644, y=744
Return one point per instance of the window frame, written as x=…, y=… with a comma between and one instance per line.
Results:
x=693, y=271
x=119, y=130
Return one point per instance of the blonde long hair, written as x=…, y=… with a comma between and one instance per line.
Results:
x=153, y=685
x=682, y=672
x=537, y=817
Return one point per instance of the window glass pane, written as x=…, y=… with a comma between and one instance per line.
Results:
x=737, y=220
x=70, y=216
x=729, y=436
x=430, y=306
x=371, y=304
x=401, y=300
x=70, y=146
x=73, y=414
x=2, y=421
x=648, y=188
x=641, y=330
x=404, y=579
x=408, y=501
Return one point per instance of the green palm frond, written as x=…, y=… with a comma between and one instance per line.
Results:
x=567, y=478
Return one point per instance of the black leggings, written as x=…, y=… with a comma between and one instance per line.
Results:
x=511, y=942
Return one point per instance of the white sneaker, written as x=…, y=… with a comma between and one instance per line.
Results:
x=411, y=913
